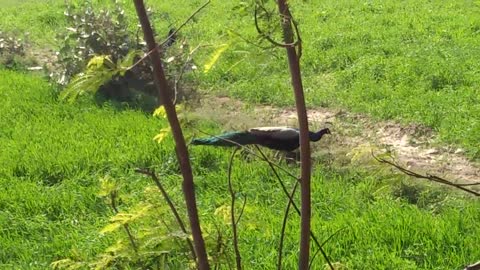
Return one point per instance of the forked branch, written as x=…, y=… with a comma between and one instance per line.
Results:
x=289, y=18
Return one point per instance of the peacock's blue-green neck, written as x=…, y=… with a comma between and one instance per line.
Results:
x=316, y=136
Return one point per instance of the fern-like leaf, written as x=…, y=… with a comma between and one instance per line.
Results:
x=215, y=56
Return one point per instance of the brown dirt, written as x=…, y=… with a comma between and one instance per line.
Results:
x=414, y=146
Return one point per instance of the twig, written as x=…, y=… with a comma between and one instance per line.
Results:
x=427, y=176
x=182, y=71
x=169, y=36
x=113, y=196
x=284, y=225
x=250, y=42
x=267, y=37
x=241, y=210
x=165, y=195
x=273, y=166
x=250, y=152
x=299, y=39
x=218, y=247
x=238, y=258
x=323, y=244
x=319, y=246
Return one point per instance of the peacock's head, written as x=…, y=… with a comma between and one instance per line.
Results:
x=318, y=135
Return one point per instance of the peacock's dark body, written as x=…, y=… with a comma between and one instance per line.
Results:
x=277, y=138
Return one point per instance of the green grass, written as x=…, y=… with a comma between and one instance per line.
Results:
x=52, y=155
x=413, y=61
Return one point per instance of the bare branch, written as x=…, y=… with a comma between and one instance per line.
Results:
x=299, y=39
x=241, y=210
x=323, y=244
x=284, y=225
x=169, y=36
x=182, y=71
x=238, y=258
x=251, y=42
x=177, y=133
x=428, y=176
x=185, y=22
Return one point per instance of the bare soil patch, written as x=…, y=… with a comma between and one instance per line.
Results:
x=414, y=146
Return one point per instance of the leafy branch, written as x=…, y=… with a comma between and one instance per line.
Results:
x=100, y=70
x=169, y=201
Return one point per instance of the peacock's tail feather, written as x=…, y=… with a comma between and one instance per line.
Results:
x=227, y=139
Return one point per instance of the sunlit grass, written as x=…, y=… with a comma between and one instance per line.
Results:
x=414, y=61
x=53, y=154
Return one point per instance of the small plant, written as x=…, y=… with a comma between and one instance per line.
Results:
x=100, y=71
x=145, y=234
x=92, y=33
x=106, y=35
x=100, y=35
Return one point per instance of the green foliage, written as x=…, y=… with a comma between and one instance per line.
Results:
x=107, y=36
x=415, y=61
x=100, y=70
x=91, y=33
x=52, y=155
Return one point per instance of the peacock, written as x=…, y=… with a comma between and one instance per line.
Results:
x=276, y=138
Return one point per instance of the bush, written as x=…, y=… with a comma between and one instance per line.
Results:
x=106, y=33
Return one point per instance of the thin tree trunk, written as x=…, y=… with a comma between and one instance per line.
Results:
x=294, y=64
x=180, y=146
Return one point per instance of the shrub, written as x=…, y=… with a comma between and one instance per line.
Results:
x=106, y=34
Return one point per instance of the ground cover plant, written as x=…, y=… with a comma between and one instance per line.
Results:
x=53, y=156
x=413, y=61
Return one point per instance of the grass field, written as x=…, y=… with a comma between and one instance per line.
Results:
x=413, y=61
x=53, y=155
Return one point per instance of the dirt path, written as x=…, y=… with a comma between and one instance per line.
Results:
x=412, y=144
